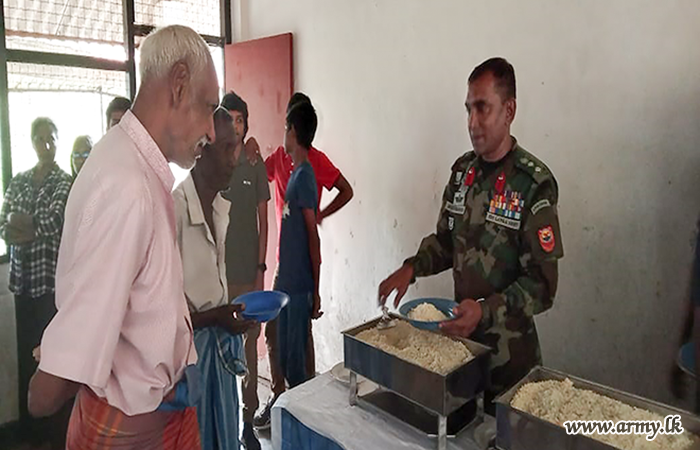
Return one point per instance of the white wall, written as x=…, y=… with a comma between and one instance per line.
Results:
x=609, y=97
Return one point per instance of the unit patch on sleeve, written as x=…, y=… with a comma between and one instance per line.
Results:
x=546, y=236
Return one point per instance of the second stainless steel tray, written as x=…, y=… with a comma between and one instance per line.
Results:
x=518, y=430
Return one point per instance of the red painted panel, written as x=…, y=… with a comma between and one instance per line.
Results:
x=261, y=72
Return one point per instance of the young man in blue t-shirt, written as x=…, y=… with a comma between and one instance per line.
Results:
x=299, y=247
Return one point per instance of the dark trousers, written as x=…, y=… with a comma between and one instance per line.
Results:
x=293, y=338
x=278, y=384
x=32, y=315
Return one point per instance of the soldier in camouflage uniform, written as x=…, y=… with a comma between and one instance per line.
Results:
x=498, y=231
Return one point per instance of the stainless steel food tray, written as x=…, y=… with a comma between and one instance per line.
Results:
x=441, y=394
x=518, y=430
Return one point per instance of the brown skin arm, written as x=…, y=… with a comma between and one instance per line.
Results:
x=262, y=244
x=225, y=317
x=345, y=194
x=18, y=236
x=397, y=281
x=20, y=229
x=315, y=252
x=48, y=393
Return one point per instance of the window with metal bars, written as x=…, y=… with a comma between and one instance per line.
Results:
x=67, y=59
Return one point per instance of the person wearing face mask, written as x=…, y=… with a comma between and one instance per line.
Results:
x=498, y=230
x=81, y=150
x=30, y=222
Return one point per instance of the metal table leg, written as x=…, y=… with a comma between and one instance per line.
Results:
x=480, y=408
x=442, y=432
x=353, y=388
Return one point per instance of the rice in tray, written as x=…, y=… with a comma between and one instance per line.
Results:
x=559, y=401
x=432, y=351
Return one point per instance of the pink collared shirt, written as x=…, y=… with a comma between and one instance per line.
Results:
x=123, y=326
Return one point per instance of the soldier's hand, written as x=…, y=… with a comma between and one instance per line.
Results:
x=397, y=281
x=467, y=317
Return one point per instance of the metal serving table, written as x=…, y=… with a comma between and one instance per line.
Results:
x=412, y=393
x=518, y=430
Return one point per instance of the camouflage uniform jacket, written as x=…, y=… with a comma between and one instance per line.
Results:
x=498, y=231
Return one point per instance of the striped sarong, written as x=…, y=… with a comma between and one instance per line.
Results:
x=95, y=425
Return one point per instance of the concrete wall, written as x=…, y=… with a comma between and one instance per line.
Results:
x=609, y=97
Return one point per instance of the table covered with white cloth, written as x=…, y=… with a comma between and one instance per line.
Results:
x=317, y=415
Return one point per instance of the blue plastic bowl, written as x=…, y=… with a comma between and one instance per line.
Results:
x=262, y=306
x=444, y=305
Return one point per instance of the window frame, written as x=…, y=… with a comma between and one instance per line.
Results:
x=132, y=31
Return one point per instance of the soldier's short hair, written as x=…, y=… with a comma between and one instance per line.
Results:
x=502, y=71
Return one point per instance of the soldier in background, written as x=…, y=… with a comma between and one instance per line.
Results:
x=498, y=231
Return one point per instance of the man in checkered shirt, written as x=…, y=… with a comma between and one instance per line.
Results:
x=30, y=223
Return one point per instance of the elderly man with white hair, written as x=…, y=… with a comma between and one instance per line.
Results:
x=122, y=337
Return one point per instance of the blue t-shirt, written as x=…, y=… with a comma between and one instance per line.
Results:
x=294, y=274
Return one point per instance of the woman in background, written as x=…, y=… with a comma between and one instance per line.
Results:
x=81, y=150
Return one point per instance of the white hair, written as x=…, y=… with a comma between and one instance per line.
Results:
x=166, y=46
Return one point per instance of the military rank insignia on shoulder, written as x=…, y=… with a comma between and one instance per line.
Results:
x=533, y=166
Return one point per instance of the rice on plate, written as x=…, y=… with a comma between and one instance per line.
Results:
x=427, y=312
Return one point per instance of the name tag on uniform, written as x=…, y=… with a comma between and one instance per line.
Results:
x=455, y=209
x=459, y=198
x=506, y=209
